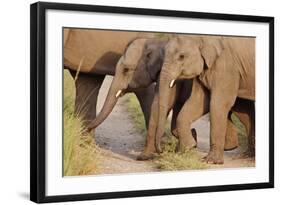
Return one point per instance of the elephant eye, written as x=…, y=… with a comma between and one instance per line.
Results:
x=125, y=70
x=148, y=55
x=181, y=56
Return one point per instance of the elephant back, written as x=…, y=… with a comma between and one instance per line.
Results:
x=91, y=50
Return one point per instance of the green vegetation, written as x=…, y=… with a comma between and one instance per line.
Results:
x=169, y=159
x=242, y=134
x=80, y=152
x=135, y=113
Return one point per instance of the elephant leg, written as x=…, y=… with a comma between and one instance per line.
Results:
x=87, y=90
x=196, y=106
x=145, y=97
x=219, y=108
x=245, y=110
x=149, y=149
x=176, y=110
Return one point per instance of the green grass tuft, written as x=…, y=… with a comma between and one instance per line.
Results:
x=80, y=152
x=242, y=133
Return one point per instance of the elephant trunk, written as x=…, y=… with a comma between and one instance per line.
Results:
x=111, y=99
x=166, y=83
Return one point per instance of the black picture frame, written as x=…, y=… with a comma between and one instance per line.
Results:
x=38, y=97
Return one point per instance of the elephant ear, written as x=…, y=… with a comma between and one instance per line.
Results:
x=155, y=57
x=210, y=50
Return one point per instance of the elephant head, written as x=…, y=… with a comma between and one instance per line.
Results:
x=138, y=68
x=185, y=58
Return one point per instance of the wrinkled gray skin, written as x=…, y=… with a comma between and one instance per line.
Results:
x=138, y=68
x=222, y=66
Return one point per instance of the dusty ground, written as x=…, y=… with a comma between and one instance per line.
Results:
x=121, y=143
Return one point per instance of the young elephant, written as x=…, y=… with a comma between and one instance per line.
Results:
x=139, y=68
x=222, y=66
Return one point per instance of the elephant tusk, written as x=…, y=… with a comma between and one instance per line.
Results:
x=118, y=93
x=172, y=83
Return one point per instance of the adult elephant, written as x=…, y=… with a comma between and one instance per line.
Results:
x=138, y=68
x=92, y=54
x=224, y=67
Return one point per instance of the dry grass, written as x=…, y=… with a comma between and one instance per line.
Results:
x=171, y=160
x=80, y=151
x=81, y=155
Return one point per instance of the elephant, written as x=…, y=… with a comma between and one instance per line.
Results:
x=223, y=73
x=138, y=68
x=90, y=55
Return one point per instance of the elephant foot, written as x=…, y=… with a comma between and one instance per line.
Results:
x=214, y=158
x=193, y=132
x=181, y=147
x=145, y=156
